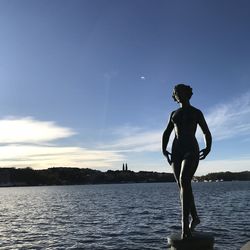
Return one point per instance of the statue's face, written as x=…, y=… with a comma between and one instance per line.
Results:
x=179, y=96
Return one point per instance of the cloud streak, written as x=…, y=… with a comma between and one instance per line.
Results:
x=24, y=144
x=44, y=157
x=29, y=130
x=136, y=140
x=25, y=141
x=230, y=119
x=225, y=121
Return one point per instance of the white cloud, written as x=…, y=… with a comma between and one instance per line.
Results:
x=29, y=130
x=23, y=145
x=135, y=139
x=225, y=121
x=230, y=119
x=44, y=157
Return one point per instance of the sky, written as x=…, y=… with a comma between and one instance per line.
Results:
x=88, y=83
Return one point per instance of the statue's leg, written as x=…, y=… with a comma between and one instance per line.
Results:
x=186, y=174
x=195, y=218
x=193, y=210
x=176, y=165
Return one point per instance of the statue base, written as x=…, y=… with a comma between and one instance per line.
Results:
x=198, y=241
x=246, y=246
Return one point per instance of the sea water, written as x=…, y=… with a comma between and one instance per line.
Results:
x=119, y=216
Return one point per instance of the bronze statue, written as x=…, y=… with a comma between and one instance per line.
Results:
x=185, y=154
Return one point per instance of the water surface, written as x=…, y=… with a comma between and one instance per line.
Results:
x=119, y=216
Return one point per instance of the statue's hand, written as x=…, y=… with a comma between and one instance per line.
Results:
x=203, y=153
x=168, y=156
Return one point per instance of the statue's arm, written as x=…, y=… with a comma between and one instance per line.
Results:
x=207, y=135
x=165, y=139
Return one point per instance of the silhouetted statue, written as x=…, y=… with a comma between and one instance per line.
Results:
x=185, y=154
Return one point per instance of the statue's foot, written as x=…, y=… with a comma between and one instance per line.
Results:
x=186, y=234
x=194, y=222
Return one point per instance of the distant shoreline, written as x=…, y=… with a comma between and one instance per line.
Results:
x=17, y=177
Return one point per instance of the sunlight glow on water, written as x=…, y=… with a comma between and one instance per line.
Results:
x=119, y=216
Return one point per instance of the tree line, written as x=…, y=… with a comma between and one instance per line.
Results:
x=75, y=176
x=78, y=176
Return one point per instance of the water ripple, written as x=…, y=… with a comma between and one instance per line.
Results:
x=128, y=216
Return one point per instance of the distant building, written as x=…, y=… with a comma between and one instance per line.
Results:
x=124, y=167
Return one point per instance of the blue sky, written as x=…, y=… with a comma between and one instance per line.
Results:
x=89, y=83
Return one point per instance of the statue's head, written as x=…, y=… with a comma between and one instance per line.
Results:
x=182, y=93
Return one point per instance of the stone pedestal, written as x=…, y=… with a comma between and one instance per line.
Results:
x=198, y=241
x=246, y=246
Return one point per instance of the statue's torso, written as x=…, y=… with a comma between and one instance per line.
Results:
x=185, y=122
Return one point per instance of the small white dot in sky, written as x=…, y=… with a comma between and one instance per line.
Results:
x=142, y=77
